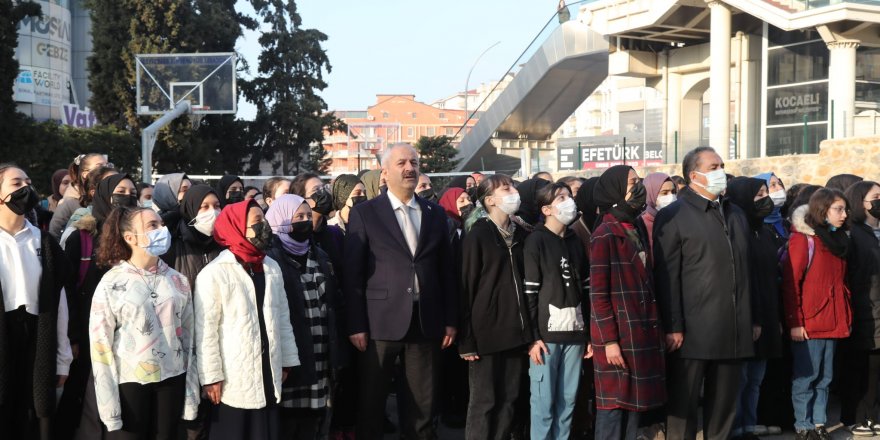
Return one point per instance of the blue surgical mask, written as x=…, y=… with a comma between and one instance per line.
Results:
x=159, y=241
x=717, y=181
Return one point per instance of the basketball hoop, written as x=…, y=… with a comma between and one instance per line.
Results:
x=196, y=120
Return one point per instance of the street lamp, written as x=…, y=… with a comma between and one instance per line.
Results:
x=467, y=85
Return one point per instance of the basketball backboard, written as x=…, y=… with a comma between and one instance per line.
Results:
x=206, y=80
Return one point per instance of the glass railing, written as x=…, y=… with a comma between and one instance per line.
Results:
x=806, y=5
x=570, y=12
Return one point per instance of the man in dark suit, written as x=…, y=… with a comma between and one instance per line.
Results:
x=401, y=296
x=701, y=276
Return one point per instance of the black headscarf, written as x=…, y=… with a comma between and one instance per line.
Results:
x=192, y=201
x=458, y=182
x=223, y=186
x=342, y=188
x=189, y=209
x=101, y=203
x=741, y=191
x=585, y=203
x=529, y=210
x=610, y=190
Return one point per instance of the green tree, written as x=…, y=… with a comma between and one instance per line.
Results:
x=318, y=161
x=113, y=94
x=290, y=114
x=437, y=154
x=11, y=13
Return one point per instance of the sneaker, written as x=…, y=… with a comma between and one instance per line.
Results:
x=773, y=430
x=821, y=433
x=863, y=429
x=761, y=430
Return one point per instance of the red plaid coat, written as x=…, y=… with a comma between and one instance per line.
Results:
x=623, y=309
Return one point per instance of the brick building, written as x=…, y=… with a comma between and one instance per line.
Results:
x=393, y=118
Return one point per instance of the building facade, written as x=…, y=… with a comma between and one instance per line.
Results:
x=392, y=119
x=52, y=83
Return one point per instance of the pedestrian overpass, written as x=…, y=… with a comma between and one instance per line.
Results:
x=563, y=71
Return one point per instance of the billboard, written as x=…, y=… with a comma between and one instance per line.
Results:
x=44, y=50
x=604, y=155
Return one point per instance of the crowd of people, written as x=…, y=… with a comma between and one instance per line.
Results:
x=542, y=309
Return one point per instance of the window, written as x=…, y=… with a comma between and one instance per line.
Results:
x=410, y=132
x=442, y=115
x=414, y=115
x=385, y=115
x=431, y=131
x=450, y=131
x=796, y=64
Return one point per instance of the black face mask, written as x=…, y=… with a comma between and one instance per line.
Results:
x=301, y=231
x=323, y=202
x=763, y=207
x=472, y=193
x=357, y=200
x=466, y=211
x=22, y=200
x=428, y=195
x=638, y=197
x=262, y=238
x=235, y=196
x=123, y=201
x=875, y=208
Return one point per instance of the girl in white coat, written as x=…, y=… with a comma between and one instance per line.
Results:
x=244, y=339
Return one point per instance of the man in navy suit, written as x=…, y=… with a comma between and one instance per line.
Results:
x=401, y=296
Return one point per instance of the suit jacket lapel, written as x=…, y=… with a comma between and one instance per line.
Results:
x=426, y=209
x=388, y=218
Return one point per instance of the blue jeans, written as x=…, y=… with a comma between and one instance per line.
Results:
x=749, y=391
x=812, y=370
x=610, y=424
x=553, y=388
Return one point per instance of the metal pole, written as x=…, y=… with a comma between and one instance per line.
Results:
x=735, y=141
x=580, y=157
x=149, y=135
x=832, y=119
x=676, y=146
x=624, y=150
x=467, y=84
x=804, y=146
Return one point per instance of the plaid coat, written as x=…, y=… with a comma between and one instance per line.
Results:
x=623, y=309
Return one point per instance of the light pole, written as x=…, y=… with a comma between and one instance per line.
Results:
x=467, y=84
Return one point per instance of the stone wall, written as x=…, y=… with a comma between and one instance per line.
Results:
x=859, y=156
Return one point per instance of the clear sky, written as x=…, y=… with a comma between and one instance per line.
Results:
x=416, y=47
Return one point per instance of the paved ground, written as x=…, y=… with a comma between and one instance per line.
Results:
x=838, y=431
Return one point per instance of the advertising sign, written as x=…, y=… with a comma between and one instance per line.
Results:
x=79, y=118
x=23, y=89
x=788, y=105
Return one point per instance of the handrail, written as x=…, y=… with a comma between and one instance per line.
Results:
x=470, y=116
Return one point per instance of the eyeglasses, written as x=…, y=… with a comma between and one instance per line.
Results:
x=838, y=209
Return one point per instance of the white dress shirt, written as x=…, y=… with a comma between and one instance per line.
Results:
x=20, y=280
x=415, y=216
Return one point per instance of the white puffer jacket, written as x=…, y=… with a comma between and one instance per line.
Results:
x=228, y=331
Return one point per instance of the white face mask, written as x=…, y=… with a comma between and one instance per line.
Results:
x=567, y=212
x=717, y=181
x=664, y=201
x=204, y=222
x=778, y=198
x=147, y=204
x=510, y=203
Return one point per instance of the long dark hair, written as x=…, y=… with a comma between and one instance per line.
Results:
x=855, y=194
x=113, y=249
x=95, y=177
x=485, y=189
